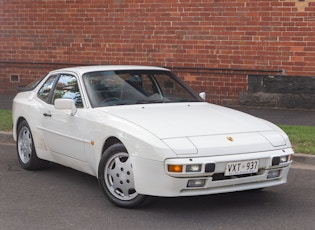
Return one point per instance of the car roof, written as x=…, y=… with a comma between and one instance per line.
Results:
x=80, y=70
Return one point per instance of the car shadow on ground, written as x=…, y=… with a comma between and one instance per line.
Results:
x=244, y=199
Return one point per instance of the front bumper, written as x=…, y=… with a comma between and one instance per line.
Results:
x=152, y=177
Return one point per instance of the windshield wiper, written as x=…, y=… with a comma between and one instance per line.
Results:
x=138, y=102
x=150, y=101
x=187, y=100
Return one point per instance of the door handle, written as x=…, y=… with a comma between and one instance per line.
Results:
x=47, y=114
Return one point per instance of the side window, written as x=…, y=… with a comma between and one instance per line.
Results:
x=67, y=87
x=45, y=90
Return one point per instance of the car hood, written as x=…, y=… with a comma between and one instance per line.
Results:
x=184, y=120
x=191, y=127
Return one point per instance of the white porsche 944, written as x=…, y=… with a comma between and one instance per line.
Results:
x=142, y=132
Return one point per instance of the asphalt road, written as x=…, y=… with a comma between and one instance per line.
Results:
x=61, y=198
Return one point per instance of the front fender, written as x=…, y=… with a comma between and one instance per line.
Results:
x=138, y=141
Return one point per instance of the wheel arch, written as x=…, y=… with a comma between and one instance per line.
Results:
x=18, y=122
x=109, y=142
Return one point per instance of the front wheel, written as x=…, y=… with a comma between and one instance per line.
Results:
x=115, y=176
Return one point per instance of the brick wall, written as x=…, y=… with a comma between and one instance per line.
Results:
x=229, y=38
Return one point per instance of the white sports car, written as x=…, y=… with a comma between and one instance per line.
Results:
x=142, y=132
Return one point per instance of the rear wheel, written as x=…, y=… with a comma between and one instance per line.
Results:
x=26, y=150
x=116, y=178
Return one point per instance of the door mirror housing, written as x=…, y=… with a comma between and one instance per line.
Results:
x=202, y=95
x=65, y=103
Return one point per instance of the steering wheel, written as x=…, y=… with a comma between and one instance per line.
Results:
x=110, y=100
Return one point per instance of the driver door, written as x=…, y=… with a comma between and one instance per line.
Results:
x=64, y=133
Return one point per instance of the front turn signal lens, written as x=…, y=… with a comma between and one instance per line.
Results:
x=175, y=168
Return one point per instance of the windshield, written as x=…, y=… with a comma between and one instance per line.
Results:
x=108, y=88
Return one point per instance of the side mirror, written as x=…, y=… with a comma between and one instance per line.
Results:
x=202, y=95
x=64, y=103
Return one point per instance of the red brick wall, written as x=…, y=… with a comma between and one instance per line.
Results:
x=223, y=34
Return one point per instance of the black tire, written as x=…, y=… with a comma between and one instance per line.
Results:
x=115, y=176
x=26, y=150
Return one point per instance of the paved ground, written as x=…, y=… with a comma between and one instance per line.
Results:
x=283, y=116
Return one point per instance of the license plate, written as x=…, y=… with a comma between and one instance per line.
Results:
x=241, y=167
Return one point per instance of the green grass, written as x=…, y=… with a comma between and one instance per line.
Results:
x=302, y=138
x=5, y=120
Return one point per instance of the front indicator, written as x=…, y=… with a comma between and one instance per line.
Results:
x=175, y=168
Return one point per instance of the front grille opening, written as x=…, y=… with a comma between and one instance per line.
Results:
x=220, y=176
